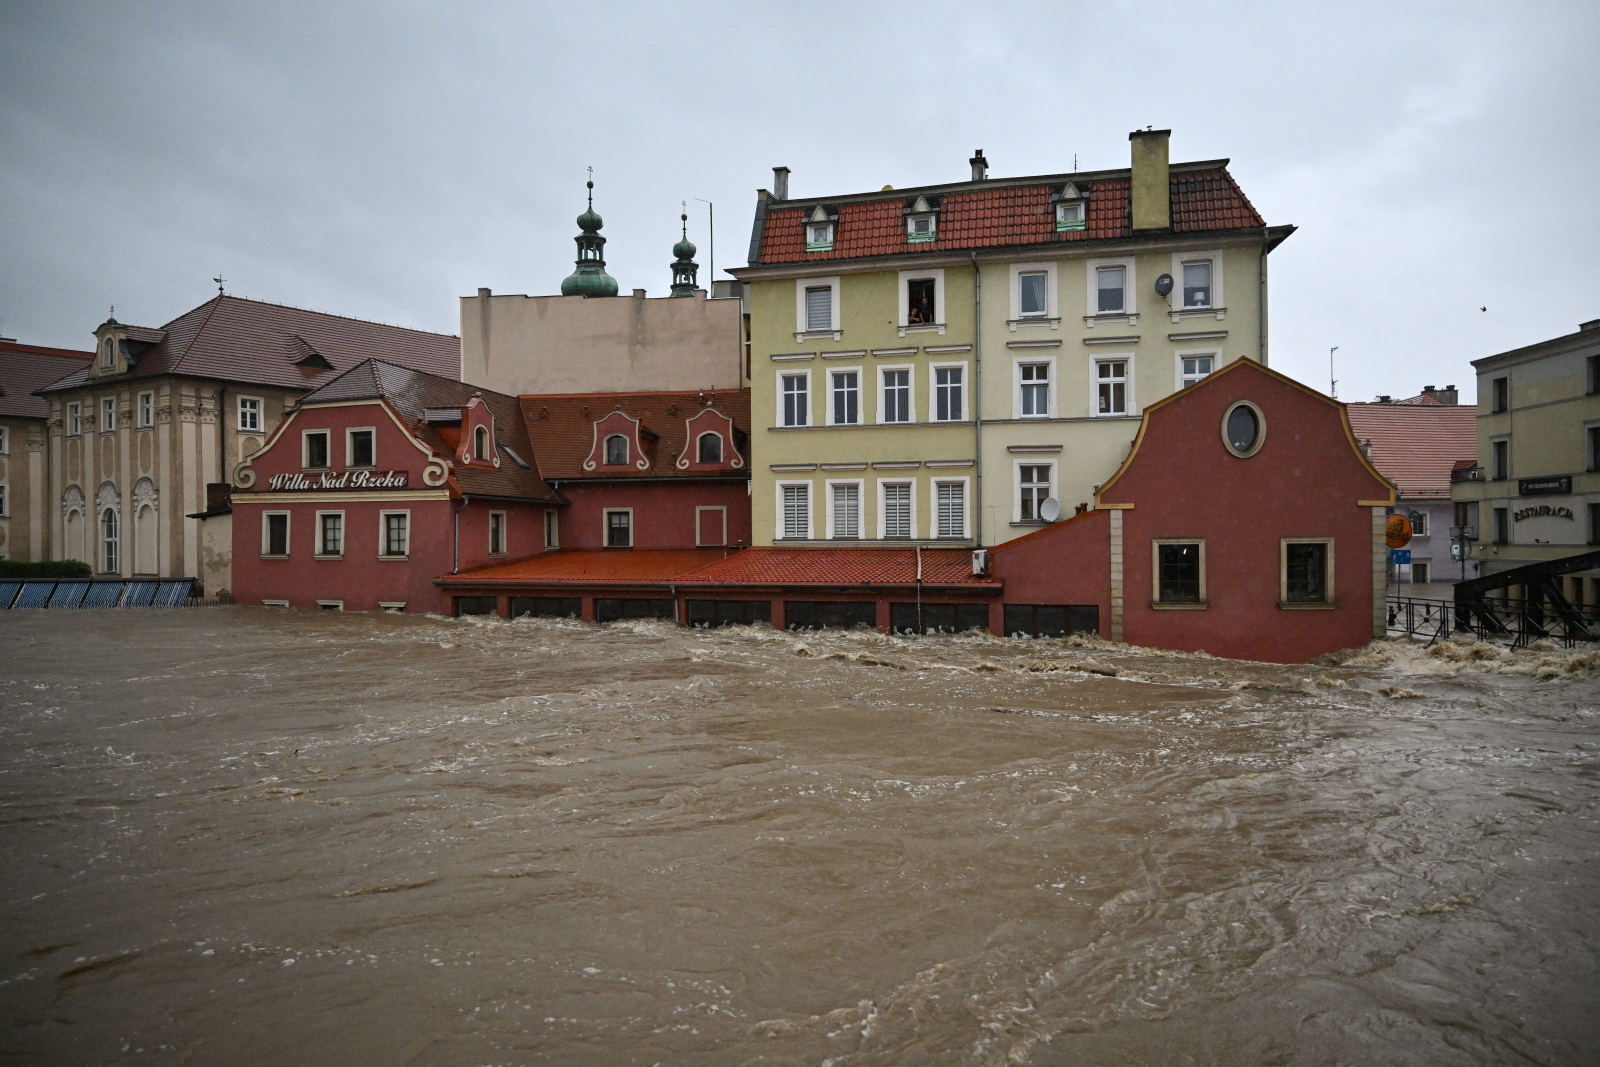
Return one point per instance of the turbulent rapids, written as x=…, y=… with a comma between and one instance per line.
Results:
x=241, y=836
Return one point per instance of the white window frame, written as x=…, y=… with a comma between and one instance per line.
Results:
x=319, y=547
x=605, y=527
x=305, y=449
x=966, y=508
x=883, y=509
x=145, y=408
x=1422, y=513
x=108, y=414
x=74, y=419
x=552, y=528
x=1130, y=400
x=1328, y=600
x=723, y=512
x=911, y=395
x=806, y=374
x=1016, y=483
x=5, y=441
x=1080, y=223
x=1017, y=363
x=504, y=530
x=906, y=277
x=820, y=246
x=801, y=330
x=3, y=492
x=108, y=359
x=833, y=375
x=1052, y=315
x=811, y=510
x=330, y=605
x=1213, y=354
x=1130, y=290
x=266, y=535
x=933, y=391
x=1218, y=303
x=932, y=218
x=861, y=508
x=350, y=446
x=383, y=533
x=240, y=409
x=722, y=447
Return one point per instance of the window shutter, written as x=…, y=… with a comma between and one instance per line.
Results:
x=819, y=309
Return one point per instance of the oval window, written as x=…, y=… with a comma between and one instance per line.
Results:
x=1241, y=429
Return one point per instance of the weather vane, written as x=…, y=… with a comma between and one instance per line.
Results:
x=218, y=279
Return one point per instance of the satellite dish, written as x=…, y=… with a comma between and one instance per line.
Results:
x=1050, y=510
x=1164, y=285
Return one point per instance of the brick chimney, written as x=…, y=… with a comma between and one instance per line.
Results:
x=1152, y=189
x=780, y=183
x=980, y=166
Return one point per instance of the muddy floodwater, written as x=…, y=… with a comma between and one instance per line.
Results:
x=245, y=836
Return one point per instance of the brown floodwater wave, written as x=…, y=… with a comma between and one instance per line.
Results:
x=239, y=835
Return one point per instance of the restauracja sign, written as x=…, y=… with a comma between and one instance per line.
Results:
x=348, y=480
x=1541, y=511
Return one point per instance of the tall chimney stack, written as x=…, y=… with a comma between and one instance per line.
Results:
x=780, y=183
x=1152, y=189
x=980, y=166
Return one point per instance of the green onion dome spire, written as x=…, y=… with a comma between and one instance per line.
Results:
x=684, y=269
x=590, y=277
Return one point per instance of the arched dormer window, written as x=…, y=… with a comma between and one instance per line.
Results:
x=108, y=358
x=616, y=449
x=480, y=444
x=710, y=448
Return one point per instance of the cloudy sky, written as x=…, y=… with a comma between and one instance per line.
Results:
x=380, y=160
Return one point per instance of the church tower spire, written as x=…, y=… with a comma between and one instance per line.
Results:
x=684, y=269
x=590, y=277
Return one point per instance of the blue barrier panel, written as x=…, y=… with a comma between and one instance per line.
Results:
x=8, y=593
x=67, y=594
x=34, y=594
x=172, y=594
x=102, y=595
x=140, y=594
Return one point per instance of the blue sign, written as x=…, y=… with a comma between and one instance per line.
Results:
x=1400, y=556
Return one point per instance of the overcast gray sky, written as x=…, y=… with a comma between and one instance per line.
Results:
x=380, y=160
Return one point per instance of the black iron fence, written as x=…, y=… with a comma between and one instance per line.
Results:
x=1522, y=620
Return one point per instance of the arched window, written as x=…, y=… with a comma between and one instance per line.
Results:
x=480, y=442
x=109, y=359
x=108, y=541
x=710, y=448
x=616, y=449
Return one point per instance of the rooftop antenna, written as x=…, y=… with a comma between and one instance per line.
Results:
x=218, y=279
x=711, y=230
x=1074, y=162
x=1333, y=383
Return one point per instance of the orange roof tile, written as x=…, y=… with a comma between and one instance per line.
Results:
x=1009, y=215
x=560, y=427
x=1416, y=445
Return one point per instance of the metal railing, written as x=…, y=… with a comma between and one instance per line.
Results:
x=1417, y=617
x=1521, y=620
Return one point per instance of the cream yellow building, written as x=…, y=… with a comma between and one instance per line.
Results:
x=957, y=363
x=1535, y=492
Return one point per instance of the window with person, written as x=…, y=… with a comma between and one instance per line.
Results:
x=920, y=309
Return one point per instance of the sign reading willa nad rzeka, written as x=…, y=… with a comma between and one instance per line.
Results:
x=328, y=480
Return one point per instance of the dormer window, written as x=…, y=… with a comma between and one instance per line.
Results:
x=1070, y=207
x=480, y=444
x=108, y=358
x=819, y=230
x=710, y=448
x=616, y=450
x=922, y=224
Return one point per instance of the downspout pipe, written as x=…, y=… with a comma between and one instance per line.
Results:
x=455, y=535
x=977, y=395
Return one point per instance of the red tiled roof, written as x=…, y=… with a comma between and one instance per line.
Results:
x=761, y=566
x=24, y=368
x=561, y=428
x=241, y=340
x=593, y=566
x=1415, y=446
x=1202, y=200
